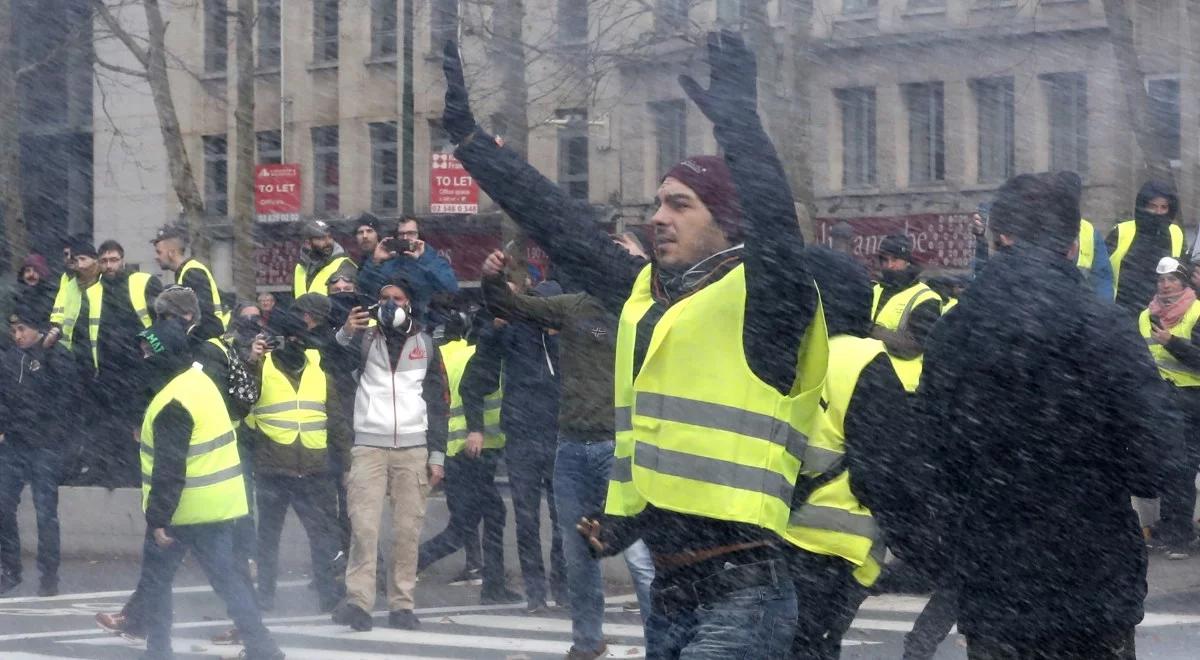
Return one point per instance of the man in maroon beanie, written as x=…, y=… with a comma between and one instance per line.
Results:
x=697, y=473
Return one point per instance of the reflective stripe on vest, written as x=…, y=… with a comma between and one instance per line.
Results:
x=894, y=315
x=68, y=301
x=1170, y=368
x=831, y=521
x=213, y=488
x=1087, y=247
x=223, y=314
x=707, y=437
x=320, y=283
x=456, y=355
x=284, y=412
x=1126, y=232
x=137, y=300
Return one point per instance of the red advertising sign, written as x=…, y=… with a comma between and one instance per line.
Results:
x=451, y=189
x=277, y=192
x=939, y=240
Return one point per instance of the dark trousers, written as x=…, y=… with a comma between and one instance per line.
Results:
x=1117, y=646
x=471, y=496
x=314, y=500
x=530, y=475
x=828, y=598
x=933, y=624
x=212, y=547
x=39, y=467
x=1178, y=499
x=111, y=458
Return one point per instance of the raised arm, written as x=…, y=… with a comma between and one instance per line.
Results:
x=561, y=225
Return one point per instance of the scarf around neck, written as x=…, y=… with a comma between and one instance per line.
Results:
x=1171, y=309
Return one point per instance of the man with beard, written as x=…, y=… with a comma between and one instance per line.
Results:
x=407, y=255
x=321, y=258
x=401, y=410
x=192, y=487
x=366, y=233
x=170, y=248
x=904, y=309
x=119, y=306
x=34, y=292
x=1135, y=246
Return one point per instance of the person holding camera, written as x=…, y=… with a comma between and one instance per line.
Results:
x=1169, y=326
x=406, y=255
x=321, y=259
x=401, y=413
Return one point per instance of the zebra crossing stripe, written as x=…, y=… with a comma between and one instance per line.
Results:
x=532, y=624
x=423, y=638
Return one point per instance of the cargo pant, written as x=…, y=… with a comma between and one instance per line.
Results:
x=376, y=472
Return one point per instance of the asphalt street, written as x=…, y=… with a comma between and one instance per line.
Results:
x=455, y=626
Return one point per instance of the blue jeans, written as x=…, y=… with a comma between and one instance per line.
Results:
x=40, y=467
x=212, y=546
x=580, y=486
x=748, y=623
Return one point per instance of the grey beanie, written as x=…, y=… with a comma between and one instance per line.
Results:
x=177, y=301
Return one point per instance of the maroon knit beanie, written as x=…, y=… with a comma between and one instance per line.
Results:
x=709, y=177
x=38, y=263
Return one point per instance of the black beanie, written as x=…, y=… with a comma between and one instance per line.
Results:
x=1039, y=209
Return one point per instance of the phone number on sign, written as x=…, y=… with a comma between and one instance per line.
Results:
x=454, y=208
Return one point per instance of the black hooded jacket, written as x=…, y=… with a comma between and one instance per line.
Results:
x=1136, y=283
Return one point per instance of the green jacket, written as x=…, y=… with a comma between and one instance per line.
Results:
x=587, y=336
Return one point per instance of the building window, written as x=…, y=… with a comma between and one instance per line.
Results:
x=572, y=20
x=858, y=6
x=1066, y=106
x=325, y=169
x=384, y=167
x=573, y=153
x=216, y=174
x=443, y=23
x=670, y=134
x=926, y=4
x=671, y=15
x=994, y=99
x=729, y=12
x=439, y=139
x=216, y=36
x=926, y=140
x=858, y=136
x=1164, y=115
x=325, y=30
x=268, y=34
x=269, y=147
x=383, y=28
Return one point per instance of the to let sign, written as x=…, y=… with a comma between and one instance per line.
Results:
x=277, y=192
x=451, y=188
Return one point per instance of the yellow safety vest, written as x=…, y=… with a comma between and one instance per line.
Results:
x=214, y=489
x=320, y=283
x=284, y=413
x=67, y=303
x=1087, y=247
x=95, y=296
x=456, y=355
x=219, y=307
x=706, y=437
x=894, y=316
x=1126, y=231
x=1171, y=369
x=831, y=521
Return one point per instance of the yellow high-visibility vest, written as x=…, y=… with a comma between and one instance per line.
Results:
x=1126, y=232
x=456, y=355
x=894, y=316
x=831, y=521
x=707, y=437
x=320, y=283
x=284, y=413
x=1169, y=368
x=214, y=490
x=68, y=301
x=137, y=298
x=218, y=307
x=1087, y=247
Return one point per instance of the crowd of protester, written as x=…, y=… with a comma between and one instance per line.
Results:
x=749, y=421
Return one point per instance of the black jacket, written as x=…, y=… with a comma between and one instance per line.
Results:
x=208, y=325
x=38, y=387
x=1040, y=414
x=1136, y=283
x=120, y=357
x=780, y=295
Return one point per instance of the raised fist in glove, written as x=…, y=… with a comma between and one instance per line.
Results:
x=732, y=91
x=456, y=118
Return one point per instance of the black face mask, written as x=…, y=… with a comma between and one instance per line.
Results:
x=894, y=278
x=1144, y=215
x=290, y=356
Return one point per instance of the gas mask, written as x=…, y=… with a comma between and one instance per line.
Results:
x=393, y=317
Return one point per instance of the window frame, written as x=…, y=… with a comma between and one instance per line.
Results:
x=268, y=50
x=384, y=41
x=664, y=114
x=216, y=37
x=983, y=88
x=864, y=101
x=926, y=105
x=569, y=137
x=264, y=156
x=326, y=152
x=382, y=191
x=322, y=39
x=1058, y=87
x=216, y=174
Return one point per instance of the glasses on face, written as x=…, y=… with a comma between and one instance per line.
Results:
x=407, y=234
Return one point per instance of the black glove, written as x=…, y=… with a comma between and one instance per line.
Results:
x=457, y=119
x=732, y=93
